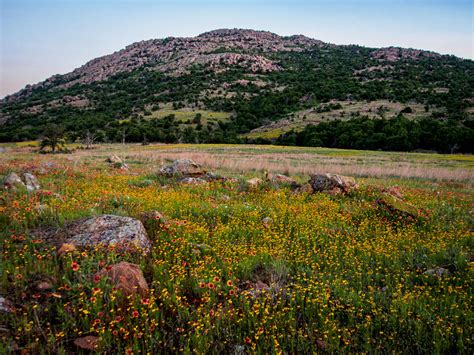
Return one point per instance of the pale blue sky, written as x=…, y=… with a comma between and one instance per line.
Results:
x=39, y=38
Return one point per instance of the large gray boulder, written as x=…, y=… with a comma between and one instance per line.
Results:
x=332, y=183
x=31, y=182
x=27, y=181
x=108, y=230
x=13, y=182
x=182, y=167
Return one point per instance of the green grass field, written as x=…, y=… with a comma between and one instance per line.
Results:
x=300, y=119
x=240, y=270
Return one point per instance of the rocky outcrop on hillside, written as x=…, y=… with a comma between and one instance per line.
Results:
x=174, y=55
x=393, y=54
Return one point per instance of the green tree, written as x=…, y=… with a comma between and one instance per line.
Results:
x=53, y=137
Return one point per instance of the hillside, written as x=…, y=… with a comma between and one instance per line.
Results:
x=236, y=85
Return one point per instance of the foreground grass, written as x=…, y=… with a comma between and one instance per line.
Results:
x=343, y=274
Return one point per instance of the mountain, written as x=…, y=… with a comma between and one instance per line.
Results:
x=235, y=85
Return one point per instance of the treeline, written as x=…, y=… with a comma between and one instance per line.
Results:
x=395, y=134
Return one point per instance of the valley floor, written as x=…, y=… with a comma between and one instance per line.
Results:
x=236, y=269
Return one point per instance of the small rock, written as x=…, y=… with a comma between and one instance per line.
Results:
x=126, y=277
x=239, y=350
x=210, y=176
x=89, y=342
x=254, y=182
x=192, y=181
x=225, y=198
x=113, y=159
x=437, y=272
x=283, y=179
x=258, y=288
x=44, y=286
x=31, y=182
x=41, y=208
x=394, y=191
x=202, y=247
x=66, y=248
x=321, y=344
x=153, y=216
x=304, y=189
x=394, y=204
x=124, y=167
x=6, y=305
x=266, y=221
x=13, y=182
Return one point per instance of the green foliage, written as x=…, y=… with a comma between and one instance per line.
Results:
x=123, y=106
x=54, y=138
x=396, y=134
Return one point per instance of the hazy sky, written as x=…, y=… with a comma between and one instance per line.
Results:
x=39, y=38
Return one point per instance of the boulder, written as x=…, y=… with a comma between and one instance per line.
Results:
x=27, y=181
x=437, y=272
x=6, y=305
x=43, y=286
x=283, y=179
x=304, y=189
x=182, y=167
x=122, y=166
x=332, y=183
x=89, y=342
x=13, y=182
x=192, y=181
x=31, y=182
x=210, y=176
x=394, y=191
x=396, y=205
x=113, y=159
x=108, y=230
x=259, y=288
x=254, y=182
x=127, y=278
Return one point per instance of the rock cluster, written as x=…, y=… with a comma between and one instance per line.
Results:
x=175, y=55
x=27, y=181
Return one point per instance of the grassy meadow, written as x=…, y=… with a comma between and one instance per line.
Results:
x=340, y=273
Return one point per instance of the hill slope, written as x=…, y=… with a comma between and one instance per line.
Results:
x=226, y=83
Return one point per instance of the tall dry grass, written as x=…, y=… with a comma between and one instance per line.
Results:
x=245, y=159
x=305, y=164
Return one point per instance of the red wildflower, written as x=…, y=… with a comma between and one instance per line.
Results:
x=145, y=301
x=74, y=266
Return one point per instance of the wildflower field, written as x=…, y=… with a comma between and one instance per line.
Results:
x=242, y=270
